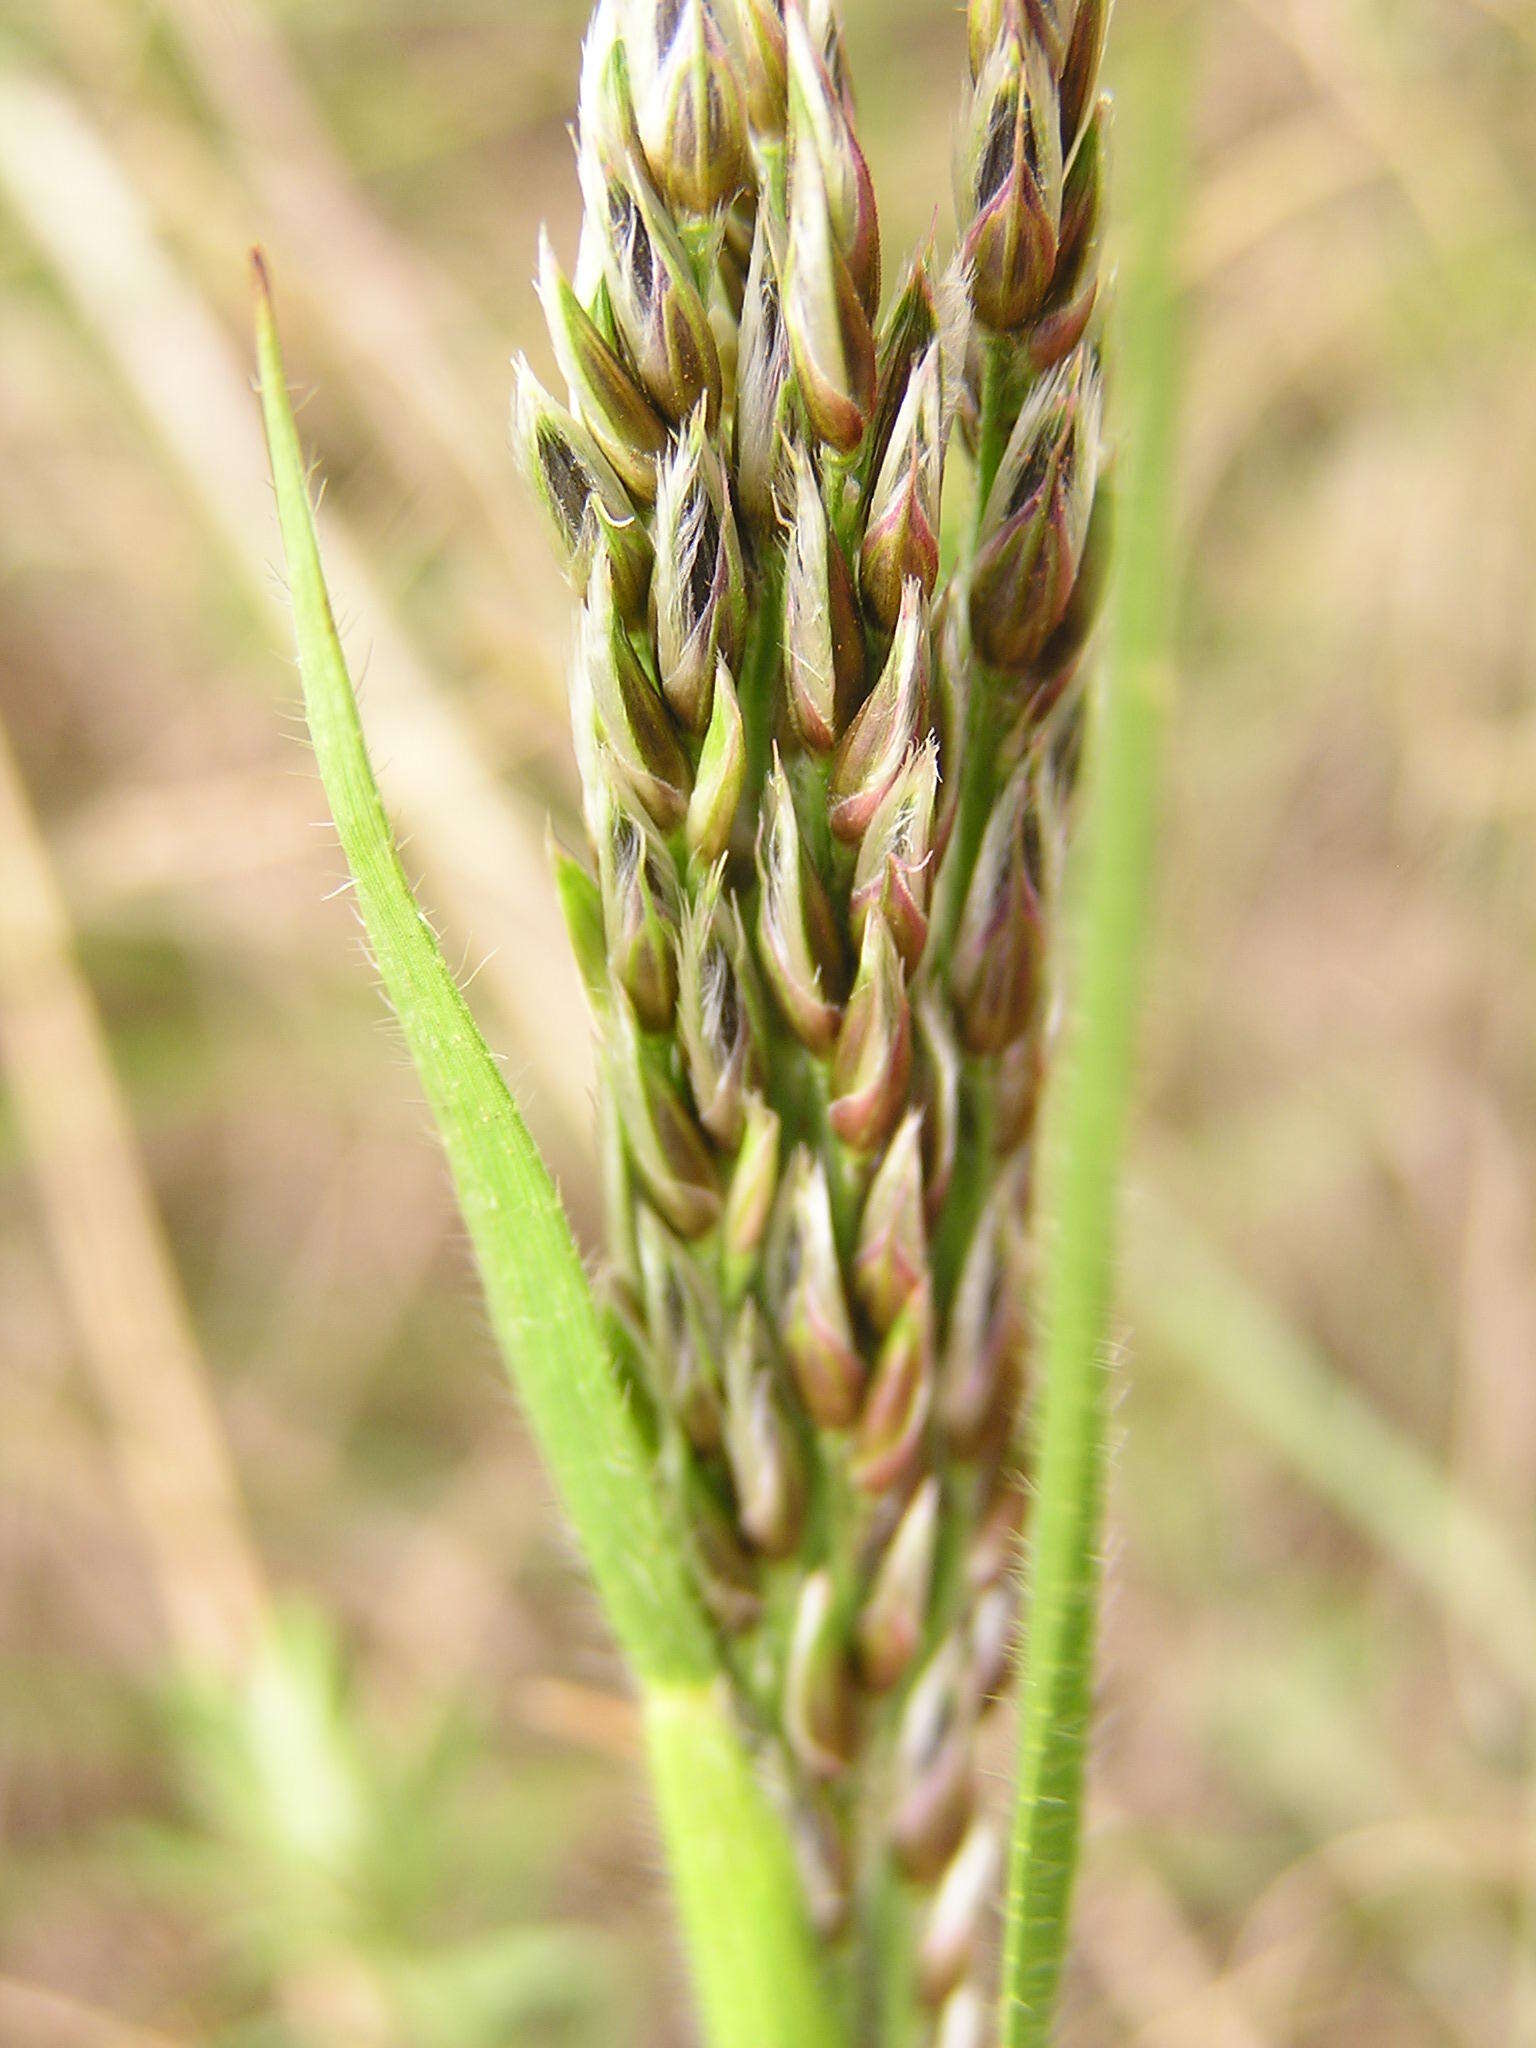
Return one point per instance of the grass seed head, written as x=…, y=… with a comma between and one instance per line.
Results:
x=827, y=763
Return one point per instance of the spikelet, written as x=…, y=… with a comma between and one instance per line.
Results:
x=826, y=757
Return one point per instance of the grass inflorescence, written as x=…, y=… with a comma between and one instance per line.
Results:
x=828, y=758
x=828, y=764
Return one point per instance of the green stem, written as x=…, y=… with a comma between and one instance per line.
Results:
x=893, y=2010
x=996, y=422
x=759, y=673
x=982, y=713
x=1086, y=1113
x=983, y=732
x=974, y=1177
x=738, y=1890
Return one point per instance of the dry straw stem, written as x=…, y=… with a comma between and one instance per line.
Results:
x=757, y=1968
x=1155, y=1967
x=167, y=1441
x=394, y=310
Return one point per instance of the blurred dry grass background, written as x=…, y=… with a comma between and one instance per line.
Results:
x=241, y=1361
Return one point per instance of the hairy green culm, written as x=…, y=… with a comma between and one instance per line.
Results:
x=838, y=568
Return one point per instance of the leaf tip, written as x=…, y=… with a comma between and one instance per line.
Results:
x=266, y=318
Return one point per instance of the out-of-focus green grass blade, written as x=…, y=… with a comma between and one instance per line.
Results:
x=540, y=1301
x=756, y=1962
x=1086, y=1115
x=1212, y=1324
x=484, y=1993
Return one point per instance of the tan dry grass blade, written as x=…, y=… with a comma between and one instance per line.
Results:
x=45, y=2018
x=485, y=854
x=168, y=1443
x=388, y=303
